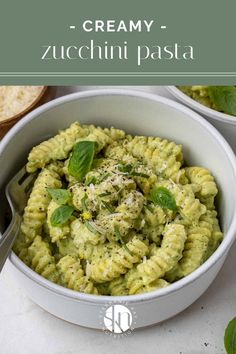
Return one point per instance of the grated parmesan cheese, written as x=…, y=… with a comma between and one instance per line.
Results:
x=15, y=99
x=88, y=269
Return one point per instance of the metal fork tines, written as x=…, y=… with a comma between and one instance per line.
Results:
x=17, y=193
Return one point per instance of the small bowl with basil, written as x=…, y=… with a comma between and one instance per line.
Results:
x=216, y=103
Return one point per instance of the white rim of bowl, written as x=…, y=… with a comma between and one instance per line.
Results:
x=212, y=113
x=149, y=296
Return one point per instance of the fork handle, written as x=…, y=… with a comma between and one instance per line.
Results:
x=8, y=238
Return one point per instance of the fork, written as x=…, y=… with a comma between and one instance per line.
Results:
x=17, y=193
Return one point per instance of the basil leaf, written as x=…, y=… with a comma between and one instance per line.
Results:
x=108, y=207
x=163, y=197
x=224, y=98
x=81, y=159
x=61, y=215
x=230, y=337
x=60, y=196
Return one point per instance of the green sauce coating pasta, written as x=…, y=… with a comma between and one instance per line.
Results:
x=36, y=210
x=41, y=259
x=113, y=234
x=163, y=259
x=201, y=242
x=56, y=148
x=118, y=287
x=204, y=179
x=164, y=157
x=154, y=219
x=72, y=276
x=216, y=236
x=117, y=262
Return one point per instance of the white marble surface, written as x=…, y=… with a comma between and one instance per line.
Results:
x=27, y=329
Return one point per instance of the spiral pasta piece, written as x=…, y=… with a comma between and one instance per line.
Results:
x=216, y=236
x=87, y=251
x=163, y=156
x=41, y=259
x=20, y=247
x=103, y=288
x=118, y=287
x=72, y=276
x=204, y=179
x=156, y=284
x=20, y=243
x=36, y=210
x=117, y=262
x=118, y=152
x=196, y=247
x=99, y=136
x=82, y=235
x=114, y=133
x=190, y=207
x=162, y=260
x=66, y=247
x=56, y=148
x=154, y=219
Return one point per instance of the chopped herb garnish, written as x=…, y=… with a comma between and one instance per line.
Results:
x=108, y=207
x=130, y=170
x=139, y=174
x=103, y=177
x=91, y=180
x=92, y=228
x=125, y=168
x=119, y=238
x=83, y=202
x=106, y=194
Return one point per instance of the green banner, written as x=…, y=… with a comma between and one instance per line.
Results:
x=118, y=42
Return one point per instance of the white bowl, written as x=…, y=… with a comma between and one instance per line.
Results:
x=137, y=113
x=225, y=123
